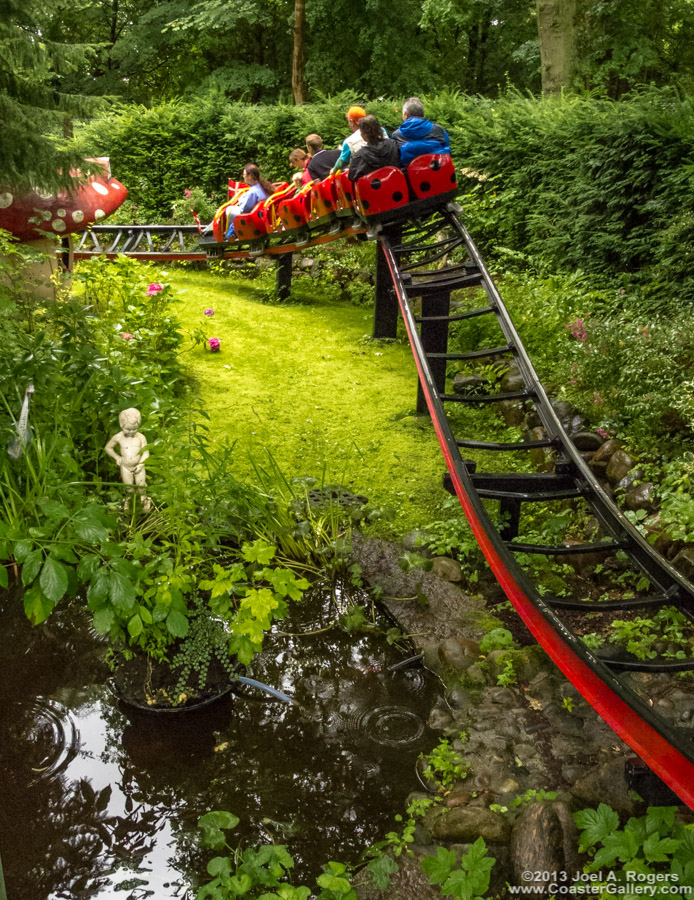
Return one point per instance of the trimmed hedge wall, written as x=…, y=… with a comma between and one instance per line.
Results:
x=582, y=184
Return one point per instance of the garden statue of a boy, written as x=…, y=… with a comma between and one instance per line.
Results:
x=133, y=453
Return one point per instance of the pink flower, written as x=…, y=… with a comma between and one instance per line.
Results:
x=578, y=330
x=187, y=194
x=213, y=344
x=208, y=312
x=154, y=288
x=126, y=336
x=597, y=398
x=602, y=433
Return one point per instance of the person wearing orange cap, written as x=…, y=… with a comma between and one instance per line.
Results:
x=354, y=142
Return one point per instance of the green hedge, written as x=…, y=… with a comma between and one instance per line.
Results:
x=583, y=184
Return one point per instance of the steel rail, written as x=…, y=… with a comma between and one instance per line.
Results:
x=126, y=241
x=666, y=749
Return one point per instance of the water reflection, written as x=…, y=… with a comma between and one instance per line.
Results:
x=98, y=799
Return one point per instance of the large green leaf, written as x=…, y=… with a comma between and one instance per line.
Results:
x=53, y=579
x=121, y=591
x=439, y=867
x=31, y=566
x=36, y=605
x=177, y=624
x=135, y=626
x=103, y=619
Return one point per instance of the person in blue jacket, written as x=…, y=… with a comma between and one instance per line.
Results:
x=418, y=135
x=259, y=189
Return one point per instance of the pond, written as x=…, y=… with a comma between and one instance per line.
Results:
x=100, y=801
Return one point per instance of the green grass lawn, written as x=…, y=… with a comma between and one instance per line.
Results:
x=303, y=382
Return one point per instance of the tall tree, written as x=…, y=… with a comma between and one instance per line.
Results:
x=35, y=108
x=298, y=71
x=556, y=31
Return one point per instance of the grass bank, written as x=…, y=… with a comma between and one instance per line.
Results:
x=305, y=383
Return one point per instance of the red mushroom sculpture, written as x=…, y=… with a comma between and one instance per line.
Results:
x=33, y=215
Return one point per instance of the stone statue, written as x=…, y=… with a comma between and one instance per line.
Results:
x=132, y=453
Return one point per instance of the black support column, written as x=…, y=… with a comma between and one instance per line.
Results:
x=386, y=308
x=284, y=276
x=434, y=336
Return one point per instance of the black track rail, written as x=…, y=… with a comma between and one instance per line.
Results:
x=417, y=260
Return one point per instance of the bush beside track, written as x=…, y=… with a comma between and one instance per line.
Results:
x=581, y=183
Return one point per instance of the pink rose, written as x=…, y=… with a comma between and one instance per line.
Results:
x=213, y=344
x=187, y=194
x=154, y=288
x=126, y=336
x=208, y=312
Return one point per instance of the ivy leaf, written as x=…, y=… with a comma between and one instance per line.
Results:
x=622, y=845
x=660, y=818
x=36, y=605
x=438, y=867
x=53, y=580
x=656, y=849
x=686, y=836
x=285, y=583
x=259, y=551
x=240, y=884
x=259, y=604
x=333, y=883
x=177, y=624
x=242, y=647
x=211, y=825
x=220, y=867
x=381, y=868
x=596, y=825
x=31, y=567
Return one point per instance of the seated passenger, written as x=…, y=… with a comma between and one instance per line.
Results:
x=299, y=158
x=418, y=135
x=378, y=151
x=354, y=142
x=321, y=160
x=259, y=189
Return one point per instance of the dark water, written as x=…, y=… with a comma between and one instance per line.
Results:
x=98, y=802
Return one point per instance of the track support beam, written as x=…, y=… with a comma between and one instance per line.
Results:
x=386, y=307
x=284, y=276
x=434, y=336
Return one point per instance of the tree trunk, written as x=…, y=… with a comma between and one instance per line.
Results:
x=555, y=27
x=298, y=79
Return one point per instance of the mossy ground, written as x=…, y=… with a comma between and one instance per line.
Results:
x=303, y=382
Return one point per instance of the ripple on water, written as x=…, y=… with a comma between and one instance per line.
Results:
x=52, y=740
x=392, y=725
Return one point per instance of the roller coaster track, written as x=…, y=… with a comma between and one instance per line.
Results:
x=415, y=261
x=170, y=243
x=415, y=256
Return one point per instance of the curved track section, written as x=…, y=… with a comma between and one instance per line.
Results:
x=418, y=258
x=420, y=254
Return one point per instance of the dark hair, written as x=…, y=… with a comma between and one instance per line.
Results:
x=371, y=130
x=253, y=172
x=413, y=107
